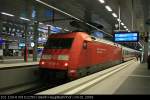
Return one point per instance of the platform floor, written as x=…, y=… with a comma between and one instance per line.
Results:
x=137, y=83
x=15, y=60
x=133, y=80
x=10, y=63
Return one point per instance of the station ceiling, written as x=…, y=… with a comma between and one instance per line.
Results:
x=90, y=11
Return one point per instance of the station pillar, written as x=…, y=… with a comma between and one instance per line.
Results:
x=26, y=44
x=145, y=55
x=49, y=30
x=1, y=44
x=146, y=47
x=0, y=25
x=36, y=36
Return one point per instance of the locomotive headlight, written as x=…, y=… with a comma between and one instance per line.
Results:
x=42, y=62
x=63, y=57
x=66, y=64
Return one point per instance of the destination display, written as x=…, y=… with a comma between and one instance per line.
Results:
x=126, y=37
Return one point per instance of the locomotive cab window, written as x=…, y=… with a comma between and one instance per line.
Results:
x=59, y=43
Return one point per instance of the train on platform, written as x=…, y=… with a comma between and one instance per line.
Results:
x=77, y=54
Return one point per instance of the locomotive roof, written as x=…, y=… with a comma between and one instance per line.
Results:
x=115, y=44
x=89, y=38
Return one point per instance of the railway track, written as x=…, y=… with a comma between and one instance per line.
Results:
x=34, y=90
x=22, y=80
x=41, y=87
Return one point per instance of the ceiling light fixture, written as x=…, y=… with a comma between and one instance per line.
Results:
x=59, y=28
x=40, y=23
x=108, y=8
x=114, y=14
x=125, y=27
x=49, y=25
x=122, y=24
x=7, y=14
x=24, y=19
x=66, y=29
x=101, y=1
x=118, y=20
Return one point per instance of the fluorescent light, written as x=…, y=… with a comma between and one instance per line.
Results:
x=108, y=8
x=49, y=25
x=118, y=20
x=128, y=30
x=24, y=19
x=125, y=26
x=66, y=29
x=114, y=14
x=122, y=24
x=59, y=28
x=101, y=1
x=141, y=49
x=4, y=13
x=40, y=23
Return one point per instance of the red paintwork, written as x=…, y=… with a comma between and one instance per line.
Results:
x=99, y=53
x=96, y=53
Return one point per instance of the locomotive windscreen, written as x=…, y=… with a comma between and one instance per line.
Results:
x=59, y=43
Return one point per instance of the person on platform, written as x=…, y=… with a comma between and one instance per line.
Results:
x=148, y=62
x=140, y=58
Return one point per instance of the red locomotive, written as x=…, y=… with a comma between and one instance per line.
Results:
x=76, y=54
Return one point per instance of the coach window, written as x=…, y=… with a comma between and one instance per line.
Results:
x=85, y=44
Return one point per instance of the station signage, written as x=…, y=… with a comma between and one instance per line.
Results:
x=126, y=37
x=98, y=34
x=1, y=41
x=55, y=29
x=21, y=44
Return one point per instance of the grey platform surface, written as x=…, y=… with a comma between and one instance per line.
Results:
x=16, y=61
x=137, y=83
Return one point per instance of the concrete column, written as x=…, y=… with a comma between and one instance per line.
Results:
x=36, y=32
x=1, y=46
x=0, y=26
x=36, y=36
x=26, y=43
x=49, y=30
x=149, y=43
x=145, y=55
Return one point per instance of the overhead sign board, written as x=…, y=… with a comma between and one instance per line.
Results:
x=21, y=44
x=98, y=34
x=55, y=29
x=126, y=37
x=1, y=41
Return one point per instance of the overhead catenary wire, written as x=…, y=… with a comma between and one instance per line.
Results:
x=65, y=13
x=80, y=20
